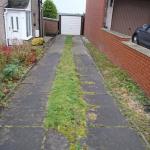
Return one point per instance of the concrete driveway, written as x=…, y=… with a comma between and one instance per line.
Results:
x=21, y=125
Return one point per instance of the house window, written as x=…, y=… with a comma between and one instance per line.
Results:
x=28, y=23
x=12, y=23
x=15, y=24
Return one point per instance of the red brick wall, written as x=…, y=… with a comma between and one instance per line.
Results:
x=94, y=19
x=50, y=26
x=134, y=62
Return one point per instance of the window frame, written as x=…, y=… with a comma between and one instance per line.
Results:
x=28, y=24
x=12, y=22
x=15, y=23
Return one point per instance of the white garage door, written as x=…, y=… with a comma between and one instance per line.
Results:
x=71, y=25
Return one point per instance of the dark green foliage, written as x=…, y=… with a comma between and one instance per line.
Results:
x=2, y=95
x=49, y=9
x=10, y=71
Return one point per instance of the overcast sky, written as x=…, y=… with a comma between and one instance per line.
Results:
x=70, y=6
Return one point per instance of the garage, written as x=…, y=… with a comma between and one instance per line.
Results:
x=71, y=24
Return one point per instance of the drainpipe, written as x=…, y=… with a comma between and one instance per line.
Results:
x=39, y=6
x=4, y=18
x=5, y=26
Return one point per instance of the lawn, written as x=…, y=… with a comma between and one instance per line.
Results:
x=14, y=63
x=127, y=93
x=66, y=110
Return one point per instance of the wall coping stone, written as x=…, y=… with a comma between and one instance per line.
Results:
x=120, y=35
x=51, y=19
x=138, y=48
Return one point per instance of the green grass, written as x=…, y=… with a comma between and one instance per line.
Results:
x=66, y=111
x=125, y=90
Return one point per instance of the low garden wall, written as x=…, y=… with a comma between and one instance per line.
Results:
x=134, y=59
x=50, y=26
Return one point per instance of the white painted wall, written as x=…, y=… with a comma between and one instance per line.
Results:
x=71, y=25
x=16, y=35
x=21, y=33
x=29, y=6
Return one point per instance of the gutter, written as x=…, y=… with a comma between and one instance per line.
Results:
x=16, y=9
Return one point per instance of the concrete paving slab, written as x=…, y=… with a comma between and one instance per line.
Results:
x=56, y=141
x=114, y=139
x=21, y=138
x=107, y=111
x=108, y=116
x=99, y=99
x=97, y=88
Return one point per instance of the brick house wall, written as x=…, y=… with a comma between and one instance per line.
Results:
x=135, y=63
x=3, y=3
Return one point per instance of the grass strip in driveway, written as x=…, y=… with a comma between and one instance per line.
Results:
x=66, y=111
x=128, y=95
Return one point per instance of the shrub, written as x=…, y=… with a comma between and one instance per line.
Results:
x=5, y=55
x=21, y=53
x=37, y=41
x=5, y=49
x=14, y=61
x=3, y=61
x=10, y=71
x=49, y=9
x=2, y=95
x=32, y=57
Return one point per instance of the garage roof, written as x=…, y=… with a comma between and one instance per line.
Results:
x=18, y=4
x=70, y=14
